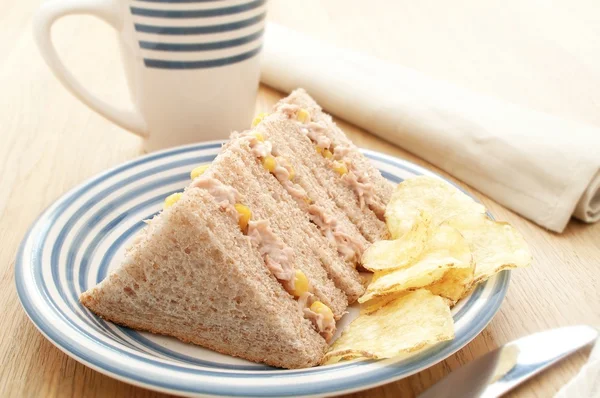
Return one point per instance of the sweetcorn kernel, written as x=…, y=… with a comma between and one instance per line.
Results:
x=283, y=162
x=327, y=154
x=300, y=284
x=245, y=215
x=319, y=149
x=269, y=163
x=259, y=137
x=303, y=116
x=172, y=199
x=322, y=309
x=340, y=168
x=259, y=118
x=198, y=171
x=292, y=172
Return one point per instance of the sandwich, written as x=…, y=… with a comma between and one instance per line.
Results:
x=257, y=258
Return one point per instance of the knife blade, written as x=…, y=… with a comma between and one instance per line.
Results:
x=501, y=370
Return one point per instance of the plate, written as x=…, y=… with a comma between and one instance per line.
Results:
x=78, y=240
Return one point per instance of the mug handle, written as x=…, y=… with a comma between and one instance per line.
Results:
x=106, y=10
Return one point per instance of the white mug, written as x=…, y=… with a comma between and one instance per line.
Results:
x=192, y=66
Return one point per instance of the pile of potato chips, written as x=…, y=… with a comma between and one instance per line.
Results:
x=443, y=246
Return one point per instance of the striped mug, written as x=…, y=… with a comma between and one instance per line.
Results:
x=192, y=66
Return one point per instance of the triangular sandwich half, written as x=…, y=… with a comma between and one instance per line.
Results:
x=192, y=274
x=257, y=257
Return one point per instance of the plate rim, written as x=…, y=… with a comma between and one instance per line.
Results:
x=26, y=300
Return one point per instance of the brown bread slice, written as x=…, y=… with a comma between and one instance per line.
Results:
x=315, y=256
x=383, y=187
x=300, y=152
x=193, y=275
x=289, y=140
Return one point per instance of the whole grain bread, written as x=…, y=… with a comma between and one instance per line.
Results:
x=193, y=275
x=317, y=177
x=383, y=187
x=335, y=282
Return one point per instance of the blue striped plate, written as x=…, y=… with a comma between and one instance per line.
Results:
x=81, y=237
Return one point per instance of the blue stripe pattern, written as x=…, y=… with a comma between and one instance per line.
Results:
x=211, y=12
x=209, y=63
x=215, y=45
x=58, y=324
x=195, y=30
x=229, y=27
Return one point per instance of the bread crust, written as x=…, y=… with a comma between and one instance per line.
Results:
x=267, y=358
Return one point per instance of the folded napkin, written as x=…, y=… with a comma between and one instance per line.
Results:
x=538, y=165
x=586, y=384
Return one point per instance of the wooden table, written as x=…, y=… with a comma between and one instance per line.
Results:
x=521, y=51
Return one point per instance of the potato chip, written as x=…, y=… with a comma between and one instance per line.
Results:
x=454, y=285
x=426, y=194
x=398, y=253
x=412, y=322
x=444, y=245
x=376, y=303
x=447, y=252
x=496, y=246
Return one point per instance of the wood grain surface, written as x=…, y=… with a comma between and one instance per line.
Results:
x=543, y=56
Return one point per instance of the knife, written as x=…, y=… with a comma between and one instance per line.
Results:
x=501, y=370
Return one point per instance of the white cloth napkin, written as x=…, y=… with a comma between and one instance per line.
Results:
x=538, y=165
x=586, y=384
